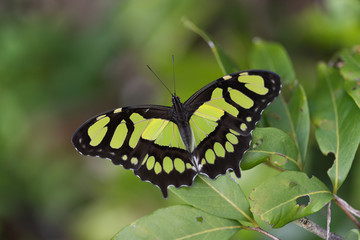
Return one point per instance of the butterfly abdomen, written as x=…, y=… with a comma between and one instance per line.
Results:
x=208, y=134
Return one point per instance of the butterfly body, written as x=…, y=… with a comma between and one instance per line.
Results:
x=181, y=117
x=208, y=134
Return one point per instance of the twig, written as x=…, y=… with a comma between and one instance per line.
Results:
x=316, y=229
x=350, y=211
x=257, y=229
x=328, y=221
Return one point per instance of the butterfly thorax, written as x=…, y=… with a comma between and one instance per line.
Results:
x=181, y=118
x=208, y=133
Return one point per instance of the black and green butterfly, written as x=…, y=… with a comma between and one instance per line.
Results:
x=208, y=134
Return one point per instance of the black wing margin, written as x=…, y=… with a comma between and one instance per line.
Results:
x=119, y=136
x=242, y=97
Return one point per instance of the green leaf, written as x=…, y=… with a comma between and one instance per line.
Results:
x=222, y=197
x=336, y=118
x=290, y=111
x=273, y=145
x=353, y=234
x=350, y=70
x=273, y=57
x=288, y=196
x=179, y=222
x=300, y=120
x=226, y=64
x=293, y=117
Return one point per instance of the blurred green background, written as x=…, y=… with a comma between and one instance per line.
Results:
x=62, y=62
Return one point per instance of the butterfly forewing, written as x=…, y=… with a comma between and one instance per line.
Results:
x=147, y=139
x=225, y=113
x=139, y=138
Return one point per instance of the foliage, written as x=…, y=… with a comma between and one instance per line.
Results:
x=64, y=61
x=291, y=194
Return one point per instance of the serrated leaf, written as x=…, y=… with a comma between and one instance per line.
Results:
x=222, y=197
x=273, y=57
x=226, y=64
x=336, y=118
x=353, y=234
x=273, y=145
x=288, y=196
x=290, y=115
x=179, y=222
x=350, y=70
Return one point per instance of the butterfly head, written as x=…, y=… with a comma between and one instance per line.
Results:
x=175, y=100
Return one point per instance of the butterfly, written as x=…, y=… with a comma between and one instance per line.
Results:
x=207, y=134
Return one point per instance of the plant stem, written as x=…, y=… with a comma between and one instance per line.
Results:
x=257, y=229
x=350, y=211
x=328, y=221
x=316, y=229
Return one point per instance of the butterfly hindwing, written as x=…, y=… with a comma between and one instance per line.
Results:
x=225, y=113
x=166, y=167
x=221, y=150
x=139, y=138
x=208, y=134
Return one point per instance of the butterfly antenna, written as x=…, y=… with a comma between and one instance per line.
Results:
x=160, y=80
x=174, y=74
